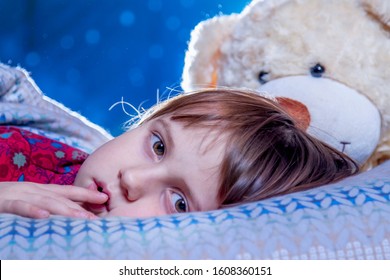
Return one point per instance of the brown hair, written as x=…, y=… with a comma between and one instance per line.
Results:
x=267, y=154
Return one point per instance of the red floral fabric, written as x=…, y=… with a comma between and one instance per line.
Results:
x=26, y=156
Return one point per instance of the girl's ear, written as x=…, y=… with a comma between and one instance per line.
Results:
x=202, y=56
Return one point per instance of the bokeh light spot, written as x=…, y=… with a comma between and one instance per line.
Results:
x=127, y=18
x=67, y=42
x=173, y=23
x=136, y=77
x=92, y=36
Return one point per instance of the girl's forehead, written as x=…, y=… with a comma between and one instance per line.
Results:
x=210, y=144
x=201, y=135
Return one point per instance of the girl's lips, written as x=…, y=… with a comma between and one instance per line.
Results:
x=96, y=208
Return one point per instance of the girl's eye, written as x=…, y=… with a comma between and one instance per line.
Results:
x=157, y=145
x=179, y=203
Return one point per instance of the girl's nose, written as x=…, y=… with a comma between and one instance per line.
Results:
x=136, y=182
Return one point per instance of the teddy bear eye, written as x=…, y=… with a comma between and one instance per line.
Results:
x=317, y=70
x=263, y=77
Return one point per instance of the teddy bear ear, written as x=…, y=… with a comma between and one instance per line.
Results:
x=258, y=9
x=379, y=10
x=297, y=110
x=201, y=59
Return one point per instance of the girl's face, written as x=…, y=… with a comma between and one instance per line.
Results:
x=158, y=168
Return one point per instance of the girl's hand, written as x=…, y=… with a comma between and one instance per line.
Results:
x=37, y=201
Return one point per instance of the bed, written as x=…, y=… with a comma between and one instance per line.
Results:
x=346, y=220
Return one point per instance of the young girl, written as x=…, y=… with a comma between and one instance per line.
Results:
x=194, y=152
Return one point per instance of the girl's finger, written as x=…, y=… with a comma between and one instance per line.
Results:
x=78, y=194
x=39, y=206
x=62, y=206
x=25, y=209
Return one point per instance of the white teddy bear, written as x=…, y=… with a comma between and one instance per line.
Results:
x=330, y=56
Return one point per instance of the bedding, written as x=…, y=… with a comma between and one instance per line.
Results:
x=346, y=220
x=26, y=156
x=22, y=104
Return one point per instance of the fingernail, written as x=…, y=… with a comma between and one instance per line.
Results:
x=43, y=214
x=93, y=217
x=82, y=214
x=103, y=195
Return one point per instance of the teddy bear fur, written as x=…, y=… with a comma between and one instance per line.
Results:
x=272, y=39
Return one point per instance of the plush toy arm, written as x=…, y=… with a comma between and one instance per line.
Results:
x=379, y=8
x=200, y=64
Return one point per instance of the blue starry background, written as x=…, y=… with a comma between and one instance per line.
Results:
x=89, y=54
